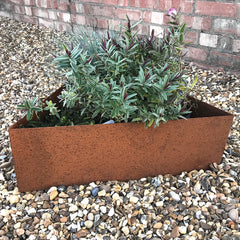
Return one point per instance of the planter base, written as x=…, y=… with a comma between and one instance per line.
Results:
x=52, y=156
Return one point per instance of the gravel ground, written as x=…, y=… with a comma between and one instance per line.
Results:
x=193, y=205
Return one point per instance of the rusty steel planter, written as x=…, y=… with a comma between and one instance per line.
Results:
x=69, y=155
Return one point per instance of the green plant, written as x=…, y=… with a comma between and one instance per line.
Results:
x=126, y=77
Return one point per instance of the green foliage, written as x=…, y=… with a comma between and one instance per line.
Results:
x=29, y=108
x=126, y=77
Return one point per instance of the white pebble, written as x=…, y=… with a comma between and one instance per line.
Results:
x=175, y=196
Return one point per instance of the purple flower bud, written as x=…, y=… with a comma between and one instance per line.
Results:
x=98, y=57
x=147, y=77
x=166, y=68
x=110, y=86
x=125, y=95
x=152, y=35
x=88, y=60
x=68, y=52
x=54, y=55
x=100, y=80
x=172, y=12
x=121, y=84
x=167, y=86
x=71, y=45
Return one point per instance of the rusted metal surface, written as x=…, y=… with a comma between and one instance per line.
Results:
x=52, y=156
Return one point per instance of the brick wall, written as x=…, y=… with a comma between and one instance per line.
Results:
x=214, y=25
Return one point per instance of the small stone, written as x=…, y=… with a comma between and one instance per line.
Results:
x=175, y=233
x=61, y=188
x=205, y=226
x=134, y=199
x=157, y=225
x=14, y=199
x=46, y=216
x=102, y=193
x=175, y=196
x=156, y=182
x=63, y=219
x=73, y=208
x=90, y=216
x=233, y=214
x=47, y=222
x=82, y=233
x=85, y=202
x=103, y=209
x=125, y=230
x=31, y=211
x=51, y=189
x=95, y=191
x=182, y=229
x=111, y=212
x=20, y=231
x=53, y=194
x=17, y=225
x=88, y=224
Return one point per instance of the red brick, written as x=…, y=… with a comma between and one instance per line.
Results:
x=91, y=21
x=216, y=9
x=80, y=19
x=142, y=29
x=29, y=19
x=238, y=11
x=202, y=23
x=16, y=2
x=208, y=40
x=157, y=17
x=196, y=54
x=147, y=16
x=102, y=23
x=19, y=9
x=42, y=3
x=221, y=59
x=29, y=2
x=60, y=26
x=95, y=1
x=52, y=15
x=40, y=12
x=54, y=4
x=121, y=3
x=185, y=5
x=132, y=14
x=99, y=11
x=152, y=4
x=46, y=23
x=225, y=26
x=188, y=20
x=192, y=37
x=77, y=8
x=64, y=17
x=236, y=61
x=236, y=46
x=114, y=25
x=206, y=23
x=28, y=11
x=63, y=6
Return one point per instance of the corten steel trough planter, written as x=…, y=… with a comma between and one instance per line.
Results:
x=67, y=155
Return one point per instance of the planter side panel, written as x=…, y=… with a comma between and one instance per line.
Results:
x=82, y=154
